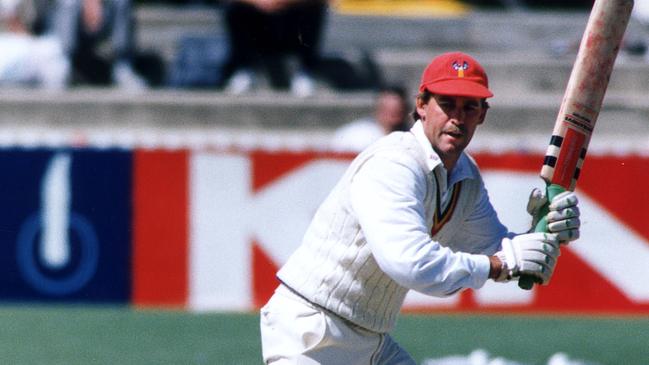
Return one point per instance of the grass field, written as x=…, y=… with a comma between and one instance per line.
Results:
x=95, y=335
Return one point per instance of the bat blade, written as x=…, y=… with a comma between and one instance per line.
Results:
x=585, y=91
x=582, y=101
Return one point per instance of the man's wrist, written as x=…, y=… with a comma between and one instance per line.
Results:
x=495, y=267
x=499, y=270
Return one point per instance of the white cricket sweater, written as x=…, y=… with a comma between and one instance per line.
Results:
x=370, y=240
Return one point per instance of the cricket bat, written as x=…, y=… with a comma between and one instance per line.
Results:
x=581, y=103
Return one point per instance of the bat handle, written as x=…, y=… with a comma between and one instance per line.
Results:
x=551, y=190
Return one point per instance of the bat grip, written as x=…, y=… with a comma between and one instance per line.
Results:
x=551, y=190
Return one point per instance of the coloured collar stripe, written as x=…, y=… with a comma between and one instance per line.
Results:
x=441, y=218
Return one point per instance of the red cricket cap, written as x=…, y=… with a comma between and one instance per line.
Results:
x=456, y=74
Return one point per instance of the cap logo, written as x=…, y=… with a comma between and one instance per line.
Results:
x=460, y=68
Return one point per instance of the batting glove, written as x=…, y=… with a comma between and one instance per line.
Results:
x=563, y=217
x=534, y=205
x=533, y=254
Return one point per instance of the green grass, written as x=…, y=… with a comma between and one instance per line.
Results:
x=528, y=339
x=123, y=336
x=96, y=335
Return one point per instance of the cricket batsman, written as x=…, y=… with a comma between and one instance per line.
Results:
x=410, y=213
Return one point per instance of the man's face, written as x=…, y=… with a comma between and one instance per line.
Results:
x=449, y=123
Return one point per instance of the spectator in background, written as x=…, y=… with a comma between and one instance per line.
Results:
x=390, y=114
x=640, y=14
x=28, y=59
x=266, y=32
x=97, y=36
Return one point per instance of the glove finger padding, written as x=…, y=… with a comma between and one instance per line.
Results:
x=534, y=254
x=564, y=200
x=538, y=241
x=544, y=254
x=563, y=217
x=567, y=236
x=563, y=225
x=566, y=213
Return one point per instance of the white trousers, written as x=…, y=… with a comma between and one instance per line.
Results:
x=294, y=331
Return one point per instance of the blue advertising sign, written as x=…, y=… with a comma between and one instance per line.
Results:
x=65, y=225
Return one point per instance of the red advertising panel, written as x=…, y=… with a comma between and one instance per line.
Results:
x=211, y=229
x=160, y=226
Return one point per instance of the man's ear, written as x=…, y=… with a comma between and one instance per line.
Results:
x=421, y=108
x=483, y=115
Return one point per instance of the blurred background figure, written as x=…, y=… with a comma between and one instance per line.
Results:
x=98, y=38
x=391, y=114
x=28, y=59
x=267, y=33
x=638, y=42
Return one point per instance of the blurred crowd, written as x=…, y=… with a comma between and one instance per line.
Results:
x=57, y=44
